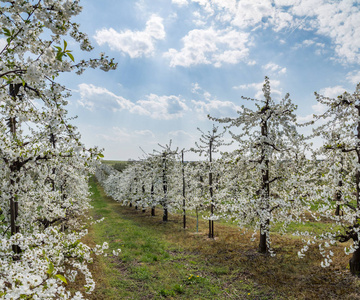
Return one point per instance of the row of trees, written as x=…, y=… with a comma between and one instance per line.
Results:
x=273, y=177
x=43, y=165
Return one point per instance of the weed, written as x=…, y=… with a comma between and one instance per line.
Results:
x=141, y=273
x=179, y=289
x=167, y=293
x=220, y=270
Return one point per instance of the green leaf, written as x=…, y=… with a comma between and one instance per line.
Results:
x=62, y=278
x=70, y=56
x=59, y=56
x=65, y=45
x=7, y=32
x=101, y=155
x=74, y=245
x=51, y=268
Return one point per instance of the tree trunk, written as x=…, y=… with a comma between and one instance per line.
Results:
x=210, y=236
x=143, y=193
x=183, y=179
x=265, y=192
x=14, y=170
x=165, y=215
x=337, y=211
x=14, y=210
x=152, y=200
x=263, y=248
x=130, y=205
x=197, y=220
x=211, y=222
x=354, y=263
x=338, y=193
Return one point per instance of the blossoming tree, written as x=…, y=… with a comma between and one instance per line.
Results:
x=264, y=149
x=45, y=165
x=339, y=190
x=210, y=143
x=163, y=162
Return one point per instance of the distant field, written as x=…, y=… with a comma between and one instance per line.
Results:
x=112, y=162
x=119, y=165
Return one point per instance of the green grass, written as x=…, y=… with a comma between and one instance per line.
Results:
x=162, y=261
x=149, y=265
x=315, y=227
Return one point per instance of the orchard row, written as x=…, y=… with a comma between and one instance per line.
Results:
x=274, y=176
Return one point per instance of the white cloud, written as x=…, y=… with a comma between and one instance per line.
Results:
x=274, y=68
x=255, y=86
x=178, y=136
x=317, y=109
x=307, y=43
x=212, y=106
x=320, y=47
x=154, y=106
x=332, y=91
x=353, y=77
x=93, y=97
x=337, y=20
x=180, y=2
x=305, y=119
x=258, y=88
x=133, y=43
x=251, y=12
x=163, y=107
x=195, y=88
x=146, y=133
x=210, y=46
x=206, y=5
x=121, y=142
x=117, y=134
x=215, y=108
x=199, y=19
x=247, y=13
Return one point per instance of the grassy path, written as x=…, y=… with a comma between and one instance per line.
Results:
x=161, y=260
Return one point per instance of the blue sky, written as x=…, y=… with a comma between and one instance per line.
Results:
x=179, y=60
